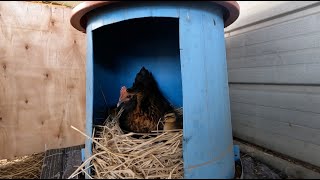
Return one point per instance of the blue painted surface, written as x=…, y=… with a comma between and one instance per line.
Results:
x=89, y=93
x=83, y=154
x=236, y=151
x=207, y=146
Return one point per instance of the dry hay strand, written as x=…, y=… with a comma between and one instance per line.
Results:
x=116, y=155
x=26, y=167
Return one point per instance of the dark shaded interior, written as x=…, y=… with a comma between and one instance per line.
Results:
x=121, y=49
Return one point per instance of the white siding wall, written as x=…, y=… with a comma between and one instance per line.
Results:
x=273, y=55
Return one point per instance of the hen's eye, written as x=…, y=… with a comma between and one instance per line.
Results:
x=129, y=96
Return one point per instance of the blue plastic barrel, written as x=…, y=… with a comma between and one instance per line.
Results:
x=183, y=45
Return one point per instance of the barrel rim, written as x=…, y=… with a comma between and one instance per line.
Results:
x=79, y=19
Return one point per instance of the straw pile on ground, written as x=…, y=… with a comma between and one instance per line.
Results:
x=26, y=167
x=157, y=155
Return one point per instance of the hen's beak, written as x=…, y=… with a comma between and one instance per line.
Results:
x=123, y=96
x=122, y=101
x=118, y=104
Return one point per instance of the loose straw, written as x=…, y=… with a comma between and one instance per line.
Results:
x=119, y=155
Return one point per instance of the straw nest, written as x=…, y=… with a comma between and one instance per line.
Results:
x=26, y=167
x=156, y=155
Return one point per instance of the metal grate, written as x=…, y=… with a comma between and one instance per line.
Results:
x=61, y=163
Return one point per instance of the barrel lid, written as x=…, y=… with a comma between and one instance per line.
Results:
x=79, y=19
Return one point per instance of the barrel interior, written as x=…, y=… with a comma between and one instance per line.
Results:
x=121, y=49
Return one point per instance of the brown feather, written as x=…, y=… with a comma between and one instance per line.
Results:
x=144, y=106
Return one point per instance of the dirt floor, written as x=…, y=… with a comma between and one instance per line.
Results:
x=254, y=169
x=282, y=156
x=30, y=167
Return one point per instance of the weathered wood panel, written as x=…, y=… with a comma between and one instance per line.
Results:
x=42, y=79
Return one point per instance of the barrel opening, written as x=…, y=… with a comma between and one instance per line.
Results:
x=121, y=49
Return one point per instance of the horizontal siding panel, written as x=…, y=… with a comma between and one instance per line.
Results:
x=284, y=74
x=305, y=119
x=276, y=46
x=302, y=150
x=304, y=56
x=301, y=26
x=260, y=11
x=279, y=117
x=270, y=22
x=285, y=53
x=298, y=98
x=273, y=60
x=301, y=133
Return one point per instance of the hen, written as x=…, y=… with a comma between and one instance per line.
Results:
x=144, y=105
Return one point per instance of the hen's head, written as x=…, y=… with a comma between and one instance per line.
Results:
x=124, y=96
x=144, y=84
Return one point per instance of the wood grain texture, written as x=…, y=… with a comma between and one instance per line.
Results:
x=42, y=79
x=206, y=127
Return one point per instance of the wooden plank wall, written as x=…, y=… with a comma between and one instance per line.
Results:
x=273, y=55
x=42, y=79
